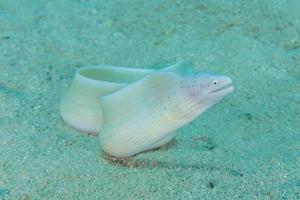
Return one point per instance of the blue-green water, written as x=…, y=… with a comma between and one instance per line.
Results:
x=246, y=147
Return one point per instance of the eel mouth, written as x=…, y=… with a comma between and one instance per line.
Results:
x=225, y=89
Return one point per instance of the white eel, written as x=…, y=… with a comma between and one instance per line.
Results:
x=133, y=110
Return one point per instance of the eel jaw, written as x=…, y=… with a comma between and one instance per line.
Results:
x=214, y=96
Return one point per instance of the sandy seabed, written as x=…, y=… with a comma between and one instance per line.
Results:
x=246, y=147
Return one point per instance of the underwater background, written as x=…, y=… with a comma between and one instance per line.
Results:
x=245, y=147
